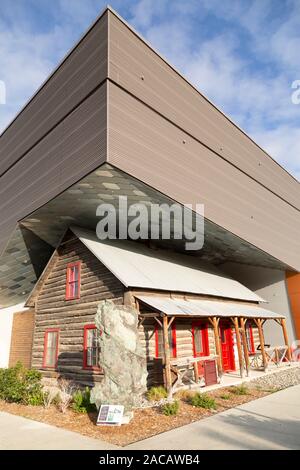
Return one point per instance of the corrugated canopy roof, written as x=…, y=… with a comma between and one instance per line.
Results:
x=136, y=265
x=205, y=308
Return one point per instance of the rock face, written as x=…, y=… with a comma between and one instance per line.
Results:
x=121, y=357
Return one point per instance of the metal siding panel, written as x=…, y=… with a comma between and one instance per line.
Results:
x=83, y=70
x=73, y=149
x=151, y=149
x=168, y=93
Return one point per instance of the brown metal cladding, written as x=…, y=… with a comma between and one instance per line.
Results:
x=141, y=71
x=81, y=72
x=62, y=135
x=74, y=148
x=152, y=149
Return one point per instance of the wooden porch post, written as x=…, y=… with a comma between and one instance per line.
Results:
x=286, y=338
x=262, y=342
x=245, y=345
x=239, y=345
x=168, y=377
x=215, y=324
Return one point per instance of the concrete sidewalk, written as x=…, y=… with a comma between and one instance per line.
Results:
x=18, y=433
x=272, y=422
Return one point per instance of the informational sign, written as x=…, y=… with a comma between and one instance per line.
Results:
x=110, y=415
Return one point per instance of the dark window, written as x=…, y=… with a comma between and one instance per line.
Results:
x=91, y=347
x=249, y=338
x=50, y=348
x=159, y=341
x=73, y=281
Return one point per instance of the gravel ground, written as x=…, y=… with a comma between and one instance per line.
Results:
x=279, y=380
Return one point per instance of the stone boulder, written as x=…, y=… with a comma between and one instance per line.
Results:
x=121, y=357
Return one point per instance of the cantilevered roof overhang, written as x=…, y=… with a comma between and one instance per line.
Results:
x=37, y=235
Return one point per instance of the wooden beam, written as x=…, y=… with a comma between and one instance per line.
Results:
x=286, y=338
x=245, y=344
x=258, y=323
x=239, y=345
x=215, y=323
x=167, y=365
x=158, y=321
x=171, y=321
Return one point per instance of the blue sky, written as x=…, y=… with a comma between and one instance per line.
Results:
x=243, y=55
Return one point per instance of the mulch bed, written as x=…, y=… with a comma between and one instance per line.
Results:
x=146, y=422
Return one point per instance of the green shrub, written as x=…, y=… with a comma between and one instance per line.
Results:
x=157, y=393
x=21, y=385
x=170, y=409
x=202, y=400
x=240, y=390
x=82, y=402
x=225, y=396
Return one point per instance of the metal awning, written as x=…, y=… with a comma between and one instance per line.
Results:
x=205, y=308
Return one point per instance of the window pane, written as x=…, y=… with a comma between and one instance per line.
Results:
x=160, y=343
x=248, y=337
x=73, y=281
x=92, y=347
x=198, y=340
x=51, y=347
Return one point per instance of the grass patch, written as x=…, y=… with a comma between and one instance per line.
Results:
x=156, y=393
x=202, y=400
x=170, y=409
x=240, y=390
x=225, y=396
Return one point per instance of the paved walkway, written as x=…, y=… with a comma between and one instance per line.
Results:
x=21, y=433
x=272, y=422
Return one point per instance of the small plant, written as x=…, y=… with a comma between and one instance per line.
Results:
x=157, y=393
x=202, y=400
x=170, y=409
x=82, y=402
x=65, y=395
x=240, y=390
x=21, y=385
x=49, y=397
x=184, y=395
x=225, y=396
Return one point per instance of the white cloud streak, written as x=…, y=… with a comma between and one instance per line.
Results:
x=245, y=63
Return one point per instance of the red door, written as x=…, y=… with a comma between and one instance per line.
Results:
x=227, y=347
x=200, y=342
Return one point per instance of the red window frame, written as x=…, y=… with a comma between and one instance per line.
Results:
x=251, y=339
x=50, y=330
x=205, y=340
x=69, y=296
x=86, y=328
x=173, y=348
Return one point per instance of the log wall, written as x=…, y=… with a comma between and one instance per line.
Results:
x=70, y=316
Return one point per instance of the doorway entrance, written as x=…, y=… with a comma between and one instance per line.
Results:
x=200, y=342
x=227, y=347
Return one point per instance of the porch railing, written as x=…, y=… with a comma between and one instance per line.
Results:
x=276, y=355
x=187, y=373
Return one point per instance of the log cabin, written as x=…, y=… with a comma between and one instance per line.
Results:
x=191, y=315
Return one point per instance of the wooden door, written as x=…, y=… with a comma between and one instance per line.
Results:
x=200, y=342
x=227, y=347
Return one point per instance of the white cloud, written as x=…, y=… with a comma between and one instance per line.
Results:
x=249, y=80
x=253, y=89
